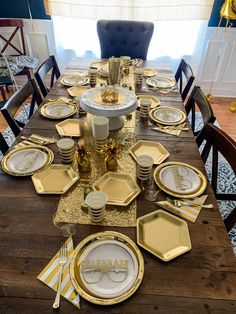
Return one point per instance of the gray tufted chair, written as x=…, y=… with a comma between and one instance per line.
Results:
x=124, y=38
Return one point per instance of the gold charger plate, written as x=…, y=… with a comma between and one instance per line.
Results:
x=164, y=235
x=161, y=82
x=198, y=191
x=148, y=72
x=155, y=102
x=26, y=160
x=58, y=110
x=153, y=149
x=180, y=113
x=69, y=127
x=120, y=188
x=56, y=179
x=98, y=239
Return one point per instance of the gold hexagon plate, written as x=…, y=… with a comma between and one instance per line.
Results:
x=164, y=235
x=120, y=188
x=149, y=72
x=56, y=179
x=84, y=245
x=155, y=102
x=153, y=149
x=68, y=127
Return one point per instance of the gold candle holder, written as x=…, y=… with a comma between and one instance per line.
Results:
x=109, y=94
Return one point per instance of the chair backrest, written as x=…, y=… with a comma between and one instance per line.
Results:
x=124, y=38
x=3, y=144
x=13, y=104
x=214, y=138
x=197, y=100
x=184, y=77
x=49, y=65
x=17, y=26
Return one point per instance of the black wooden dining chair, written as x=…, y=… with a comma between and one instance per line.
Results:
x=214, y=139
x=11, y=107
x=3, y=144
x=49, y=65
x=124, y=38
x=198, y=105
x=184, y=77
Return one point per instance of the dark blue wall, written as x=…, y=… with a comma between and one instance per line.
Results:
x=19, y=9
x=215, y=15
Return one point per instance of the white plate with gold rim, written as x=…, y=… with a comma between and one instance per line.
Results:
x=25, y=161
x=74, y=80
x=58, y=110
x=161, y=82
x=167, y=115
x=180, y=179
x=108, y=268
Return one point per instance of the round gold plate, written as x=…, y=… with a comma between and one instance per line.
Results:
x=83, y=246
x=5, y=159
x=198, y=191
x=42, y=110
x=151, y=115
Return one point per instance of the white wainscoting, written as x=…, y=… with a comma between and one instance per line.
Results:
x=217, y=68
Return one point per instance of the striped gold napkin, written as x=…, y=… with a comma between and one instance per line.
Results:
x=186, y=211
x=50, y=275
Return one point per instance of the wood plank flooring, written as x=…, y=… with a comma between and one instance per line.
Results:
x=220, y=106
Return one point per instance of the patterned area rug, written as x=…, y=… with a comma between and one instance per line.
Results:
x=227, y=179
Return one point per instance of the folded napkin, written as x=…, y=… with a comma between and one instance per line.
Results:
x=173, y=130
x=186, y=211
x=50, y=275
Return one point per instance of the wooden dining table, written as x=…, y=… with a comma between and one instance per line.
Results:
x=202, y=280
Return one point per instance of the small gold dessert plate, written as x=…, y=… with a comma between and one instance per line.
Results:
x=120, y=188
x=153, y=149
x=149, y=72
x=155, y=102
x=164, y=235
x=56, y=179
x=69, y=127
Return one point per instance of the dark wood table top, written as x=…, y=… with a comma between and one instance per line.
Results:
x=201, y=281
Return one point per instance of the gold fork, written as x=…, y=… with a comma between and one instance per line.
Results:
x=62, y=262
x=179, y=203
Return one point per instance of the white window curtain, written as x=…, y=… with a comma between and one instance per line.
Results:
x=151, y=10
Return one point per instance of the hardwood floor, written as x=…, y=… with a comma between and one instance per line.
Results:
x=220, y=106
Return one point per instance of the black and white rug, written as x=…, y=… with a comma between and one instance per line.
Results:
x=227, y=179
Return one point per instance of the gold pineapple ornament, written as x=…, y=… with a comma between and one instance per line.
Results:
x=84, y=160
x=111, y=152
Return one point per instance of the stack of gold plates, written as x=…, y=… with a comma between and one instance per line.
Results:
x=25, y=161
x=161, y=82
x=180, y=179
x=74, y=80
x=167, y=115
x=106, y=268
x=164, y=235
x=153, y=149
x=155, y=102
x=58, y=110
x=120, y=188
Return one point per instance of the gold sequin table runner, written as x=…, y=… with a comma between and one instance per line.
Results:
x=69, y=208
